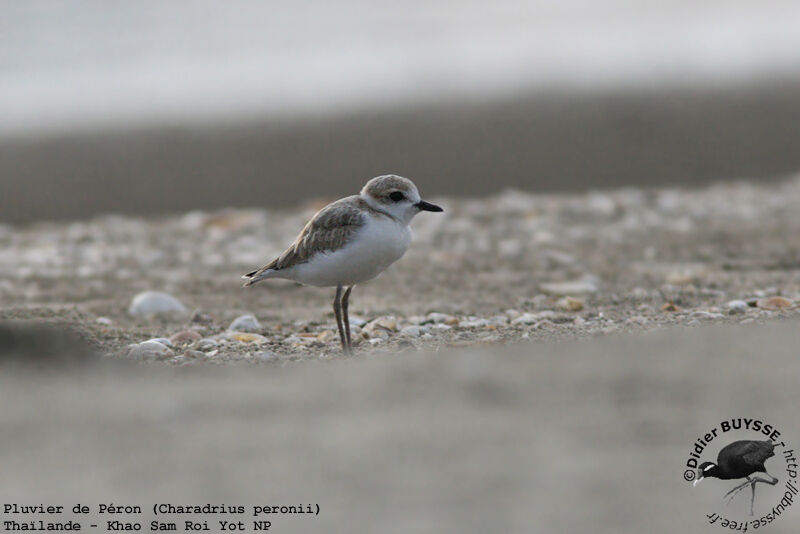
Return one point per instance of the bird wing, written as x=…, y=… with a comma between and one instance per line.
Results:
x=745, y=453
x=329, y=229
x=758, y=452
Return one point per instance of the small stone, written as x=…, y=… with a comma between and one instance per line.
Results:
x=412, y=330
x=105, y=321
x=437, y=317
x=149, y=351
x=526, y=318
x=680, y=278
x=376, y=341
x=706, y=316
x=357, y=321
x=474, y=322
x=376, y=333
x=569, y=304
x=512, y=314
x=164, y=341
x=246, y=337
x=326, y=335
x=737, y=306
x=184, y=337
x=296, y=340
x=245, y=323
x=775, y=303
x=636, y=320
x=206, y=344
x=194, y=354
x=153, y=302
x=565, y=289
x=380, y=328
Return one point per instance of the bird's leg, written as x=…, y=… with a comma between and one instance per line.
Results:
x=735, y=491
x=755, y=480
x=337, y=311
x=346, y=314
x=772, y=481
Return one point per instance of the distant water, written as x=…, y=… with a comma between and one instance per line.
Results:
x=83, y=64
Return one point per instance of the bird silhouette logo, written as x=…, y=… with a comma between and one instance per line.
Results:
x=740, y=459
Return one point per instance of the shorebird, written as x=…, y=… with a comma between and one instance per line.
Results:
x=350, y=241
x=740, y=459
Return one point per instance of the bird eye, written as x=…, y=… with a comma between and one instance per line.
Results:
x=397, y=196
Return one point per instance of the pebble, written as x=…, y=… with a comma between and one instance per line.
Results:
x=526, y=318
x=149, y=350
x=245, y=323
x=104, y=321
x=411, y=330
x=636, y=319
x=194, y=354
x=152, y=302
x=569, y=304
x=357, y=321
x=706, y=316
x=246, y=337
x=380, y=328
x=565, y=289
x=206, y=344
x=184, y=337
x=737, y=306
x=474, y=322
x=775, y=303
x=326, y=335
x=296, y=340
x=437, y=317
x=162, y=340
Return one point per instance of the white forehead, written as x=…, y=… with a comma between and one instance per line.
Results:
x=381, y=186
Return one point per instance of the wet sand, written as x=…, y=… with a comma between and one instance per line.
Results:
x=559, y=142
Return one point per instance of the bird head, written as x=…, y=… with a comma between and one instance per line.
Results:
x=396, y=196
x=705, y=469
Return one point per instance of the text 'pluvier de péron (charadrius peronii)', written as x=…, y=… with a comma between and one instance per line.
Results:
x=350, y=241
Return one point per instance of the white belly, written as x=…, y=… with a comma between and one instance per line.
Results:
x=377, y=245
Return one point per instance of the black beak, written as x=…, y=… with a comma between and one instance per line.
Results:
x=427, y=206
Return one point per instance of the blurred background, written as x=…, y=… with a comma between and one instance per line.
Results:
x=157, y=107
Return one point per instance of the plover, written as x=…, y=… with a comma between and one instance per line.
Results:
x=350, y=241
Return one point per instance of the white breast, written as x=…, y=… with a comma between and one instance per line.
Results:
x=380, y=242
